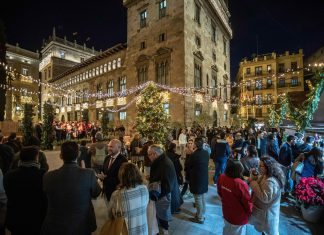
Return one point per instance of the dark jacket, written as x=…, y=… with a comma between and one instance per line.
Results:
x=162, y=170
x=221, y=149
x=69, y=191
x=198, y=171
x=174, y=157
x=27, y=203
x=111, y=181
x=304, y=148
x=6, y=157
x=285, y=155
x=147, y=161
x=84, y=155
x=273, y=149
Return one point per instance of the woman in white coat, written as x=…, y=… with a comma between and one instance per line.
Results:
x=266, y=191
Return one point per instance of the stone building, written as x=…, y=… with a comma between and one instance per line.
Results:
x=177, y=43
x=264, y=78
x=25, y=82
x=58, y=56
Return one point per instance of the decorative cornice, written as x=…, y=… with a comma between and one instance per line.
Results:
x=163, y=50
x=142, y=58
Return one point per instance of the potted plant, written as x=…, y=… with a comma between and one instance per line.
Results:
x=310, y=194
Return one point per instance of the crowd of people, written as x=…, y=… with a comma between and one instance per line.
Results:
x=146, y=181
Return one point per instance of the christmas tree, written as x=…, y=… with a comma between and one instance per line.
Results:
x=274, y=119
x=104, y=123
x=27, y=123
x=48, y=118
x=151, y=118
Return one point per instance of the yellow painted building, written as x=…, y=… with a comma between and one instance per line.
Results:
x=265, y=78
x=24, y=84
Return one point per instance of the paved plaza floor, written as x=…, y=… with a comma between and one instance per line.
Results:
x=291, y=222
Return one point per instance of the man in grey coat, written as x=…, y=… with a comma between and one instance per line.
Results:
x=69, y=191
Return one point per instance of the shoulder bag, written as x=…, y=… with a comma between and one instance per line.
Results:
x=116, y=226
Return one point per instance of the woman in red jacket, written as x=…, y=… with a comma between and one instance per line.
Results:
x=236, y=200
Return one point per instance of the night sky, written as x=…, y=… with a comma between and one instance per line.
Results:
x=276, y=25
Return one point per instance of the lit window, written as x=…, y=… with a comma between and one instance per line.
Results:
x=258, y=84
x=25, y=71
x=294, y=81
x=166, y=108
x=143, y=16
x=114, y=64
x=110, y=88
x=198, y=110
x=162, y=8
x=118, y=62
x=122, y=83
x=122, y=116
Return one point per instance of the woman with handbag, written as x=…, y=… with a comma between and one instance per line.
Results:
x=129, y=202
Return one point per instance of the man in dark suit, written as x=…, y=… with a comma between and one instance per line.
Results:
x=111, y=167
x=26, y=207
x=69, y=191
x=198, y=178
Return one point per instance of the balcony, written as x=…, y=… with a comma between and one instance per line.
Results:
x=266, y=87
x=283, y=85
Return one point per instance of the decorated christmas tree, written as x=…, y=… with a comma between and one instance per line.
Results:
x=274, y=119
x=104, y=123
x=151, y=118
x=48, y=118
x=27, y=123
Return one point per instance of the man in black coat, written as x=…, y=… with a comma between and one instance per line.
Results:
x=6, y=156
x=111, y=166
x=26, y=207
x=198, y=178
x=162, y=170
x=69, y=191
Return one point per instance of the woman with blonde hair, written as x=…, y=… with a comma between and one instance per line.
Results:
x=133, y=196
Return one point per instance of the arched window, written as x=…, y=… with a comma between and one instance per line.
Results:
x=119, y=62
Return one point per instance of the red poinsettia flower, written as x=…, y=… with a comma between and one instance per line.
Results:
x=310, y=191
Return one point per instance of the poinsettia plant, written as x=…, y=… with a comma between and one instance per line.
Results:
x=310, y=191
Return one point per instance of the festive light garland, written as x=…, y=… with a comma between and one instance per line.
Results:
x=189, y=92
